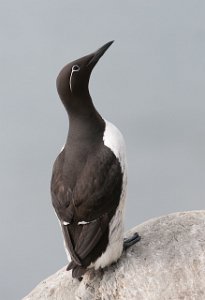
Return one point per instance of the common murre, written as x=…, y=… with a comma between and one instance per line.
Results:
x=89, y=179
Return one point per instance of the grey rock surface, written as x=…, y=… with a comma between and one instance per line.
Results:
x=167, y=264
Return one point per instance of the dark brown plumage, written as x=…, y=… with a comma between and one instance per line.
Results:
x=87, y=178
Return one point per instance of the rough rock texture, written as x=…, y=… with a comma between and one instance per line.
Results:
x=167, y=264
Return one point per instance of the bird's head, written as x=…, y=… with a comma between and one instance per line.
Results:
x=73, y=79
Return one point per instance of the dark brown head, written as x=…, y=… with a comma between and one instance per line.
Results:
x=73, y=80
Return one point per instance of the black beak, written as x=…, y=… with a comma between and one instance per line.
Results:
x=98, y=54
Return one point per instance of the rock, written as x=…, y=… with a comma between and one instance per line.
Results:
x=167, y=264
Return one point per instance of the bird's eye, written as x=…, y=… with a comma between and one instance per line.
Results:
x=75, y=68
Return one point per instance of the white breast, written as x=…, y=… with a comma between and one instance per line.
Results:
x=114, y=140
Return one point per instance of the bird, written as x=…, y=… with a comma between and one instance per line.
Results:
x=89, y=176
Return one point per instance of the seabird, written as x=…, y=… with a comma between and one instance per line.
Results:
x=89, y=179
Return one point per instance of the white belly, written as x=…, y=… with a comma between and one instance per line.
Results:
x=114, y=140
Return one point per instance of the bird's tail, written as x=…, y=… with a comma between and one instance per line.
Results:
x=77, y=271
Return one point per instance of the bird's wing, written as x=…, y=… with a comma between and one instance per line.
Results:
x=61, y=194
x=98, y=189
x=95, y=199
x=92, y=204
x=81, y=240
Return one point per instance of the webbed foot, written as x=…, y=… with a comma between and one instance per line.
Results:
x=131, y=241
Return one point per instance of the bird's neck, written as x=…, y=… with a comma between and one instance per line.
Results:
x=85, y=123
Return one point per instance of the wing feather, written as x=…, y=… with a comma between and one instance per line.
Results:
x=93, y=199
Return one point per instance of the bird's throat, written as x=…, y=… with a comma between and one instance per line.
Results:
x=85, y=126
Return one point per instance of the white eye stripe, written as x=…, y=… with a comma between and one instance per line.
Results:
x=75, y=68
x=70, y=80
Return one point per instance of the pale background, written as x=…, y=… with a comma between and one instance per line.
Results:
x=150, y=83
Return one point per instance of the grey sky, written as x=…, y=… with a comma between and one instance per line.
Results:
x=150, y=83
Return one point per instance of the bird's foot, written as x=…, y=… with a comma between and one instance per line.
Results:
x=131, y=241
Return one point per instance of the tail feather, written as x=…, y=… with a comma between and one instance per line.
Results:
x=77, y=271
x=70, y=266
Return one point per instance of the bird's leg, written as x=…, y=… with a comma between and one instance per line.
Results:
x=131, y=241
